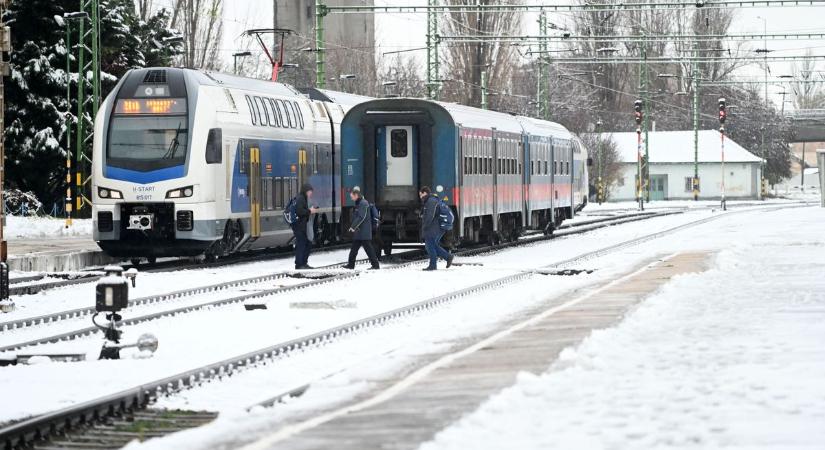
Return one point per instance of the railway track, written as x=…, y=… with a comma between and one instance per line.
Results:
x=412, y=257
x=86, y=415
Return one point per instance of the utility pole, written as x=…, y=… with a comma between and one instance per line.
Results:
x=696, y=123
x=484, y=89
x=600, y=170
x=543, y=76
x=645, y=124
x=320, y=51
x=762, y=164
x=638, y=110
x=802, y=172
x=722, y=116
x=88, y=44
x=6, y=305
x=433, y=78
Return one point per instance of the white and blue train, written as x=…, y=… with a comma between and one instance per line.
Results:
x=189, y=163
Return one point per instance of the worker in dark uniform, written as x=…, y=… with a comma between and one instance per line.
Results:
x=431, y=230
x=361, y=230
x=303, y=242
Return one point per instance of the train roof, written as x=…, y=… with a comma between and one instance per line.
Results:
x=341, y=98
x=467, y=116
x=535, y=126
x=470, y=117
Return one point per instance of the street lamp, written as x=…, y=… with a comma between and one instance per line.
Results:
x=235, y=57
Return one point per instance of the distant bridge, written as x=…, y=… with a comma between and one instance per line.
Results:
x=808, y=124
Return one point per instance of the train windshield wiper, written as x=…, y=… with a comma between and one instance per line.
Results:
x=173, y=146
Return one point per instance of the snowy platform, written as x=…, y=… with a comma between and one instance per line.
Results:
x=55, y=255
x=45, y=244
x=455, y=384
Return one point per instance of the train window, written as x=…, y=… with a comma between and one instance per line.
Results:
x=294, y=114
x=299, y=114
x=262, y=121
x=545, y=167
x=568, y=167
x=265, y=119
x=398, y=142
x=274, y=120
x=286, y=114
x=242, y=157
x=532, y=170
x=279, y=118
x=213, y=146
x=251, y=110
x=268, y=194
x=489, y=165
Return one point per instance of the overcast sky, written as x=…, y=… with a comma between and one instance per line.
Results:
x=243, y=14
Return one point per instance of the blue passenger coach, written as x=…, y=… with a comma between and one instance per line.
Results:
x=500, y=173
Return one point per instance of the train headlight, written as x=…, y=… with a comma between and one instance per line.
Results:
x=184, y=192
x=109, y=193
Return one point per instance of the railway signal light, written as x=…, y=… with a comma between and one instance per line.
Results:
x=637, y=108
x=722, y=112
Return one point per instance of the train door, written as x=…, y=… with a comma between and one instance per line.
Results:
x=399, y=156
x=255, y=187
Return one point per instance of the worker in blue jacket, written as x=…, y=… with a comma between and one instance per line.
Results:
x=361, y=230
x=431, y=230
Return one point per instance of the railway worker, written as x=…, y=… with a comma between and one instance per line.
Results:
x=303, y=238
x=361, y=229
x=431, y=230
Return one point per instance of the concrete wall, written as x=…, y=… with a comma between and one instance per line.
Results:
x=741, y=181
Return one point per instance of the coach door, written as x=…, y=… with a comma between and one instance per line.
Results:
x=254, y=153
x=399, y=156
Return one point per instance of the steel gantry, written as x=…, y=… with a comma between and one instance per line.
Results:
x=87, y=53
x=433, y=77
x=433, y=8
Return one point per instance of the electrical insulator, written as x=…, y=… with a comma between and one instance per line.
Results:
x=722, y=112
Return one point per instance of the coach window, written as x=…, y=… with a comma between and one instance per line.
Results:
x=293, y=113
x=274, y=121
x=259, y=106
x=287, y=115
x=251, y=110
x=279, y=117
x=299, y=114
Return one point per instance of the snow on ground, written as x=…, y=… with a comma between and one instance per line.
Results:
x=728, y=358
x=232, y=330
x=151, y=283
x=343, y=370
x=19, y=227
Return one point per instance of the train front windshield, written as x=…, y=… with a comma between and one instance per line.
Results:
x=143, y=140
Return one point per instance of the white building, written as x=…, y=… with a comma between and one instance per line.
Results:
x=672, y=161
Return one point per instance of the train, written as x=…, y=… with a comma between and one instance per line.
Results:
x=189, y=163
x=197, y=163
x=501, y=174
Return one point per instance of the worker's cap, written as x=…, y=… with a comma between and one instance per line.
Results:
x=356, y=190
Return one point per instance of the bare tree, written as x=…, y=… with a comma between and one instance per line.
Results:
x=467, y=60
x=808, y=91
x=402, y=78
x=143, y=8
x=200, y=23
